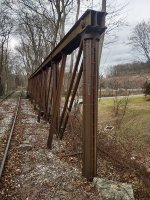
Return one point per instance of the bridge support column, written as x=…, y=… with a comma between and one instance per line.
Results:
x=90, y=103
x=58, y=82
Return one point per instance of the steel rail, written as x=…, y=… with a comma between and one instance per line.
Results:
x=9, y=139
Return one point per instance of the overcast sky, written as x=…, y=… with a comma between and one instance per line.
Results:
x=121, y=51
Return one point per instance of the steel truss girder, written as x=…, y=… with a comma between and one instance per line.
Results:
x=45, y=84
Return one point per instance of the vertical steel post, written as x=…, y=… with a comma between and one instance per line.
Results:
x=40, y=103
x=66, y=117
x=53, y=99
x=90, y=103
x=71, y=85
x=45, y=88
x=35, y=93
x=48, y=93
x=56, y=106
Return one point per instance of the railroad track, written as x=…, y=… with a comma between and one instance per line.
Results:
x=9, y=135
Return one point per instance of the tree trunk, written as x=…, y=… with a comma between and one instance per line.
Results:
x=1, y=70
x=77, y=16
x=1, y=88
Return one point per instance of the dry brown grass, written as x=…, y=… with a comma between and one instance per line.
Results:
x=123, y=153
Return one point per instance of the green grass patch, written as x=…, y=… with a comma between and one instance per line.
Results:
x=134, y=125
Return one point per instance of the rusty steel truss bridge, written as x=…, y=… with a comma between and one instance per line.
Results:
x=45, y=84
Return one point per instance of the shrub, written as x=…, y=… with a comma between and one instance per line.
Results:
x=146, y=88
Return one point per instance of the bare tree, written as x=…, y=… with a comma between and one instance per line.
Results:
x=5, y=30
x=72, y=55
x=40, y=26
x=35, y=40
x=140, y=39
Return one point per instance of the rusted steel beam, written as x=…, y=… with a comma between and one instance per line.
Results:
x=51, y=95
x=71, y=85
x=40, y=103
x=53, y=87
x=71, y=101
x=90, y=103
x=55, y=70
x=45, y=90
x=48, y=94
x=38, y=90
x=36, y=83
x=72, y=39
x=55, y=117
